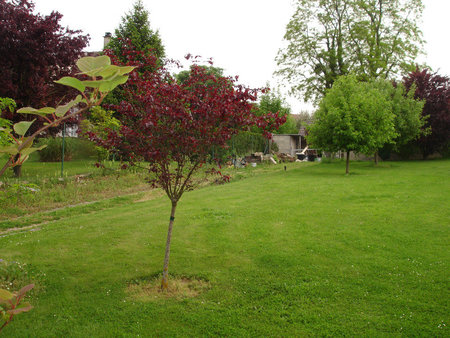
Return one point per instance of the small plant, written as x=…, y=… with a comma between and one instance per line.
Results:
x=53, y=149
x=11, y=304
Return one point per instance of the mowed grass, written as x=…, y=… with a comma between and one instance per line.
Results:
x=307, y=251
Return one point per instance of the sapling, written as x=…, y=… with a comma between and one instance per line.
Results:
x=174, y=126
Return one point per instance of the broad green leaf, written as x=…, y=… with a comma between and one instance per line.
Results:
x=93, y=65
x=22, y=127
x=109, y=72
x=93, y=84
x=41, y=112
x=28, y=151
x=72, y=82
x=126, y=69
x=107, y=86
x=24, y=141
x=5, y=294
x=11, y=150
x=47, y=110
x=113, y=71
x=62, y=110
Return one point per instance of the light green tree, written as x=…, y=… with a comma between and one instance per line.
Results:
x=408, y=119
x=385, y=38
x=329, y=38
x=353, y=116
x=316, y=53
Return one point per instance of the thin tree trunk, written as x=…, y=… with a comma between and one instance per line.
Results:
x=348, y=162
x=376, y=157
x=165, y=279
x=17, y=170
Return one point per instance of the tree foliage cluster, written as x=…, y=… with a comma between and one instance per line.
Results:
x=434, y=89
x=174, y=125
x=135, y=28
x=330, y=38
x=364, y=116
x=35, y=51
x=271, y=103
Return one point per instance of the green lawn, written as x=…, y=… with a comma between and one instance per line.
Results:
x=307, y=251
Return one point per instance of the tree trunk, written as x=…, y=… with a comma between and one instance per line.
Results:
x=17, y=170
x=165, y=279
x=348, y=162
x=376, y=157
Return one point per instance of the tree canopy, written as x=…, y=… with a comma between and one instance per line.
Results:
x=435, y=90
x=135, y=29
x=329, y=38
x=353, y=116
x=35, y=50
x=174, y=126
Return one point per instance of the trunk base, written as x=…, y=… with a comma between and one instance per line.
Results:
x=17, y=170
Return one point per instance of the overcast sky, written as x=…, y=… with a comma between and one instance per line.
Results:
x=242, y=36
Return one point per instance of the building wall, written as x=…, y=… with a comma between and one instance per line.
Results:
x=287, y=143
x=283, y=142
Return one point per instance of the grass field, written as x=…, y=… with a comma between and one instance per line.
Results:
x=81, y=182
x=307, y=251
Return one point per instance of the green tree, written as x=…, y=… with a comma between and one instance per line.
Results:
x=408, y=119
x=183, y=76
x=135, y=28
x=303, y=118
x=273, y=103
x=330, y=38
x=353, y=116
x=385, y=38
x=315, y=56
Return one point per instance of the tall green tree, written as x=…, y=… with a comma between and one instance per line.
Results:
x=316, y=54
x=353, y=116
x=385, y=38
x=135, y=28
x=135, y=33
x=329, y=38
x=409, y=121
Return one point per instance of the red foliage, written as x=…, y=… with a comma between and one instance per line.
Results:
x=435, y=90
x=35, y=50
x=175, y=126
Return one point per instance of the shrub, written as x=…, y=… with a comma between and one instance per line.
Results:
x=53, y=150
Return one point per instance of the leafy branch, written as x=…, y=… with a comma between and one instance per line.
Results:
x=11, y=304
x=102, y=78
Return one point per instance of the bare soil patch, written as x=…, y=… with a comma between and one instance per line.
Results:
x=179, y=288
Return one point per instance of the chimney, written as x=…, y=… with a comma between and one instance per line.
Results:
x=106, y=39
